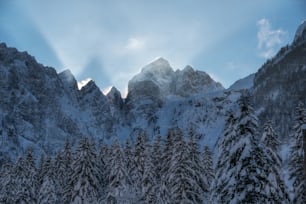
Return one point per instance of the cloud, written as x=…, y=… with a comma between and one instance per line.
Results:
x=269, y=40
x=135, y=44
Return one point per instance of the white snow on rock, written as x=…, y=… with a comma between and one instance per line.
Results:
x=160, y=75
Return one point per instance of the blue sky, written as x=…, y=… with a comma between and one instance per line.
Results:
x=110, y=41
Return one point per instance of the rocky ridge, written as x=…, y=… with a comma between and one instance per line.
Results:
x=41, y=108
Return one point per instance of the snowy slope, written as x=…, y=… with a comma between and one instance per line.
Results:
x=42, y=108
x=245, y=83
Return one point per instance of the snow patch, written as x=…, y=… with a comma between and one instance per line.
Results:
x=82, y=83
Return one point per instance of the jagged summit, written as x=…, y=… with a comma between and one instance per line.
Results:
x=188, y=68
x=160, y=77
x=159, y=64
x=301, y=31
x=67, y=76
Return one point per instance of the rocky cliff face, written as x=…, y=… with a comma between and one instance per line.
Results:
x=159, y=80
x=41, y=108
x=158, y=86
x=280, y=84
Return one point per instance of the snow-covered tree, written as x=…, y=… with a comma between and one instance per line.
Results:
x=220, y=183
x=242, y=164
x=157, y=157
x=149, y=183
x=8, y=183
x=85, y=179
x=63, y=172
x=48, y=192
x=297, y=173
x=104, y=159
x=196, y=163
x=167, y=153
x=26, y=181
x=208, y=168
x=104, y=168
x=129, y=157
x=139, y=160
x=183, y=183
x=120, y=189
x=275, y=189
x=166, y=159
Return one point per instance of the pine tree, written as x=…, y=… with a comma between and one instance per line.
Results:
x=120, y=188
x=85, y=179
x=8, y=183
x=39, y=173
x=166, y=159
x=220, y=183
x=26, y=182
x=129, y=157
x=183, y=183
x=63, y=172
x=149, y=183
x=139, y=161
x=208, y=169
x=48, y=192
x=242, y=176
x=275, y=188
x=104, y=158
x=196, y=164
x=296, y=168
x=157, y=158
x=167, y=154
x=104, y=169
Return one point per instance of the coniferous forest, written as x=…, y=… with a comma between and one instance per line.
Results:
x=169, y=169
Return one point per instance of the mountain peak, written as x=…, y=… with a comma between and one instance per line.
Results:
x=158, y=65
x=160, y=61
x=113, y=91
x=188, y=68
x=301, y=31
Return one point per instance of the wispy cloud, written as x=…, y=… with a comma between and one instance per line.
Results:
x=269, y=40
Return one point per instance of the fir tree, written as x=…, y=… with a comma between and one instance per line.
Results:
x=63, y=172
x=183, y=183
x=129, y=157
x=166, y=159
x=208, y=169
x=119, y=189
x=157, y=158
x=243, y=177
x=196, y=163
x=275, y=188
x=296, y=167
x=26, y=182
x=8, y=183
x=149, y=178
x=85, y=179
x=220, y=183
x=48, y=192
x=139, y=161
x=104, y=169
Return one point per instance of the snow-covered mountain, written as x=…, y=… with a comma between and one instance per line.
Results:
x=159, y=79
x=42, y=108
x=280, y=84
